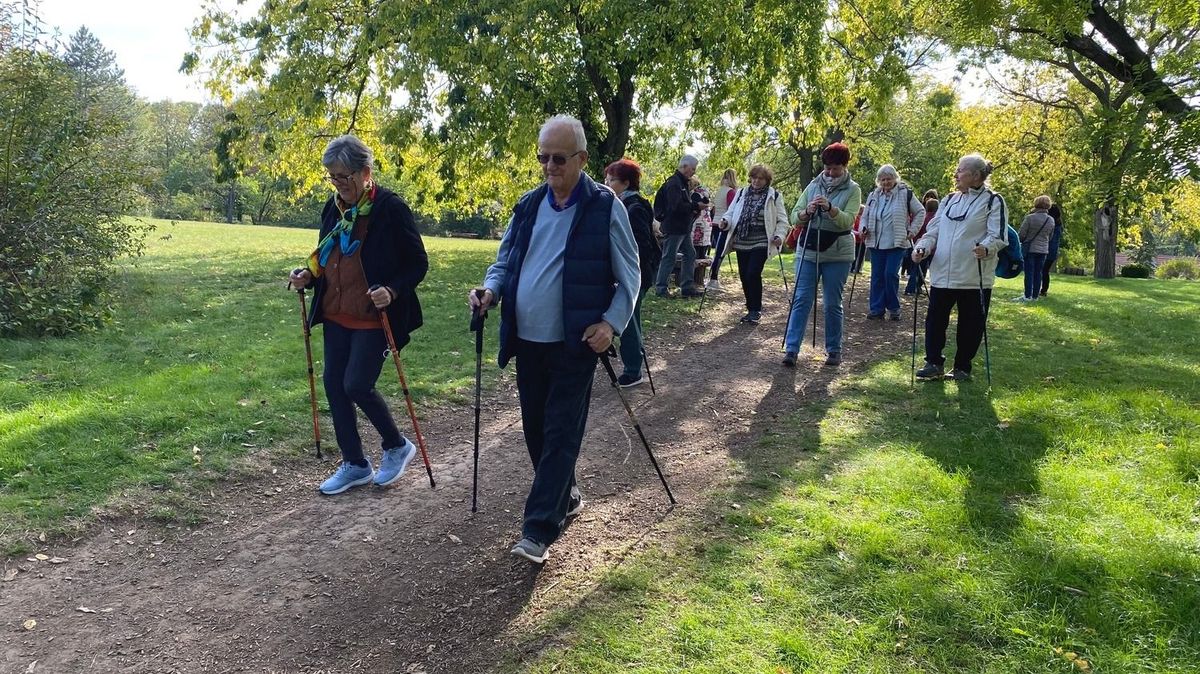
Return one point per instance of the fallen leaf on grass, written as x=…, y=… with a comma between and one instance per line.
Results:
x=40, y=557
x=1075, y=591
x=29, y=624
x=1002, y=425
x=10, y=575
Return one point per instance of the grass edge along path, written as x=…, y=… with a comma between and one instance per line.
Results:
x=1050, y=527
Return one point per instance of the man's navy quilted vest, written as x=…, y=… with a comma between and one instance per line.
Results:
x=588, y=281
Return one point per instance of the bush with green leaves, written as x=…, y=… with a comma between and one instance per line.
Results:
x=1181, y=267
x=1136, y=270
x=70, y=162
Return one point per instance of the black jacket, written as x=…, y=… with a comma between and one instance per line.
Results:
x=649, y=252
x=673, y=206
x=393, y=255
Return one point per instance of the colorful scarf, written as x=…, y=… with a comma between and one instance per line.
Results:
x=755, y=201
x=826, y=186
x=341, y=234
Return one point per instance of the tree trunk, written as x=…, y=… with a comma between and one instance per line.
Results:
x=230, y=198
x=1105, y=231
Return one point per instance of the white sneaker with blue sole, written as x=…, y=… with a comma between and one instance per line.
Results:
x=346, y=476
x=395, y=462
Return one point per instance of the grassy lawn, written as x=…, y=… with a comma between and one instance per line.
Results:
x=1048, y=527
x=203, y=363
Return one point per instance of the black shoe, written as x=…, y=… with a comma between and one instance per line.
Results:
x=691, y=294
x=959, y=375
x=874, y=317
x=626, y=381
x=929, y=372
x=789, y=358
x=834, y=359
x=894, y=316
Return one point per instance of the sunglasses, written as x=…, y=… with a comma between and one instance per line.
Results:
x=962, y=216
x=558, y=159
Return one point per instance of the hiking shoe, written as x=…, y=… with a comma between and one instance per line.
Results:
x=628, y=380
x=959, y=375
x=874, y=317
x=531, y=550
x=691, y=294
x=894, y=316
x=394, y=462
x=789, y=358
x=753, y=317
x=714, y=286
x=575, y=504
x=834, y=358
x=930, y=372
x=346, y=476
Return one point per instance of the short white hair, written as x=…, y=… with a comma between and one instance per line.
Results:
x=976, y=162
x=887, y=170
x=570, y=122
x=688, y=160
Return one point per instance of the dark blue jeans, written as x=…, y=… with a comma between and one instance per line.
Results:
x=917, y=274
x=555, y=389
x=631, y=340
x=1035, y=265
x=353, y=361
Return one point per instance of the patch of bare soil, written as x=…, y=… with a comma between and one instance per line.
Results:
x=407, y=579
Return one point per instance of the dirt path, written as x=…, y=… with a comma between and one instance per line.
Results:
x=406, y=579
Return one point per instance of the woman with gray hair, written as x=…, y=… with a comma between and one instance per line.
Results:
x=368, y=261
x=963, y=238
x=887, y=229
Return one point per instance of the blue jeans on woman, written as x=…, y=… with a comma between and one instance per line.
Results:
x=1035, y=266
x=833, y=280
x=631, y=340
x=885, y=280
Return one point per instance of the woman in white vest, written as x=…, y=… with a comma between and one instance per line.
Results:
x=890, y=219
x=963, y=237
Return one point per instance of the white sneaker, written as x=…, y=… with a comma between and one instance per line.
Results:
x=714, y=286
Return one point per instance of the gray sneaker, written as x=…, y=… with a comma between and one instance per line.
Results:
x=346, y=476
x=575, y=504
x=930, y=372
x=395, y=462
x=959, y=375
x=834, y=358
x=530, y=549
x=789, y=358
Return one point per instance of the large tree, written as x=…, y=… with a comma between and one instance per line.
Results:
x=1135, y=63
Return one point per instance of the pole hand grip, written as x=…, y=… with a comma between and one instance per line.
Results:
x=477, y=317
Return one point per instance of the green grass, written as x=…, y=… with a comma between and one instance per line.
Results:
x=203, y=363
x=1048, y=527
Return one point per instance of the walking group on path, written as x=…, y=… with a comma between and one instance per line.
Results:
x=578, y=257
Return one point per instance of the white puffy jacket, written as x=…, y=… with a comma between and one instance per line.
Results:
x=962, y=222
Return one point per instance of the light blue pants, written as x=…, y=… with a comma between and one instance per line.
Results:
x=833, y=281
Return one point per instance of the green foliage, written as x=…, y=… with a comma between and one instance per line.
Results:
x=1136, y=270
x=71, y=161
x=1181, y=267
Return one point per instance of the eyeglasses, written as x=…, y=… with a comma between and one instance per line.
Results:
x=339, y=179
x=558, y=159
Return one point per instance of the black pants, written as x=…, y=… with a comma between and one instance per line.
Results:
x=750, y=270
x=1046, y=269
x=555, y=389
x=971, y=319
x=353, y=361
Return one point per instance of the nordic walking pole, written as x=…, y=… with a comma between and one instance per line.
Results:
x=853, y=281
x=612, y=375
x=312, y=384
x=412, y=412
x=987, y=357
x=781, y=271
x=477, y=319
x=799, y=270
x=646, y=363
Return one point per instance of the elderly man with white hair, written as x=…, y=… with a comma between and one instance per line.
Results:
x=674, y=209
x=566, y=278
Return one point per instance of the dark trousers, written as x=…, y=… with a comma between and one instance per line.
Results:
x=555, y=389
x=631, y=343
x=917, y=276
x=1034, y=264
x=971, y=319
x=750, y=270
x=353, y=361
x=1046, y=269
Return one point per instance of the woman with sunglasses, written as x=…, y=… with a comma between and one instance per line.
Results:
x=369, y=260
x=963, y=239
x=824, y=250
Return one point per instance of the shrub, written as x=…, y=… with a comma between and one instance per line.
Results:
x=1135, y=270
x=1181, y=267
